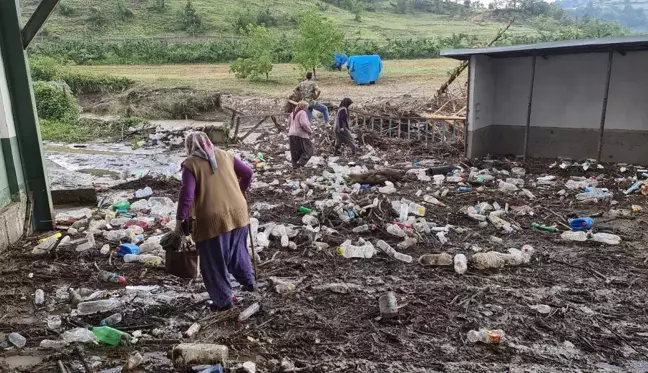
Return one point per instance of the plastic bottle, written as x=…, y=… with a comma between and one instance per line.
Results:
x=305, y=210
x=544, y=227
x=79, y=335
x=594, y=194
x=404, y=211
x=52, y=345
x=464, y=189
x=146, y=259
x=56, y=235
x=348, y=250
x=433, y=201
x=635, y=187
x=460, y=264
x=111, y=320
x=362, y=229
x=213, y=369
x=108, y=335
x=115, y=278
x=606, y=238
x=395, y=230
x=581, y=224
x=39, y=297
x=134, y=360
x=17, y=340
x=384, y=246
x=507, y=187
x=417, y=209
x=143, y=193
x=121, y=206
x=97, y=306
x=249, y=312
x=579, y=236
x=128, y=248
x=486, y=336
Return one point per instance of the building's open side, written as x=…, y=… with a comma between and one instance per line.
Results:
x=554, y=94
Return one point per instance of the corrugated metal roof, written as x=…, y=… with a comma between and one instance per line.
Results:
x=622, y=44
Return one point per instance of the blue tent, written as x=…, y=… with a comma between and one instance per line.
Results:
x=365, y=69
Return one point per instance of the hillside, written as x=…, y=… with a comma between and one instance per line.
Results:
x=629, y=13
x=129, y=19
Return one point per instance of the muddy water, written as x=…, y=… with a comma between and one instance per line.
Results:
x=20, y=361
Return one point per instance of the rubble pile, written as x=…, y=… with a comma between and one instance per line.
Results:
x=395, y=258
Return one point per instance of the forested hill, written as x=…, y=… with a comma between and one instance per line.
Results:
x=629, y=13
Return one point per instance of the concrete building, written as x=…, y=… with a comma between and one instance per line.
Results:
x=576, y=99
x=24, y=191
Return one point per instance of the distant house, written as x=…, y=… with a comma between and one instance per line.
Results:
x=577, y=99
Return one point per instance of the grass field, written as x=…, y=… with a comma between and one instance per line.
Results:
x=415, y=77
x=218, y=18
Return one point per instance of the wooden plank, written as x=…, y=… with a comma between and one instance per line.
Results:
x=254, y=128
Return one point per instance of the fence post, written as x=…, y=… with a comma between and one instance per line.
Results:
x=409, y=129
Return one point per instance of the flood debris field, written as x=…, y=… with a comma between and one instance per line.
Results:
x=563, y=306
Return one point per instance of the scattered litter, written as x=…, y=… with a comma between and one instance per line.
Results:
x=486, y=336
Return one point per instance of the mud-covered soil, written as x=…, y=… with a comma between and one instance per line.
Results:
x=596, y=292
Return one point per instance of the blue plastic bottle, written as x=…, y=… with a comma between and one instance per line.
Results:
x=581, y=224
x=128, y=248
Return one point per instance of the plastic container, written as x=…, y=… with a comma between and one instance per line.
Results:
x=249, y=312
x=384, y=246
x=348, y=250
x=128, y=248
x=143, y=193
x=581, y=224
x=115, y=278
x=17, y=340
x=388, y=305
x=464, y=189
x=108, y=335
x=187, y=354
x=460, y=264
x=578, y=236
x=121, y=206
x=49, y=344
x=39, y=297
x=111, y=320
x=486, y=336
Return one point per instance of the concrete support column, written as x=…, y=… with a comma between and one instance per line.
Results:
x=25, y=119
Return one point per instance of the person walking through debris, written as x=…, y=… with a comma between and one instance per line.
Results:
x=213, y=183
x=299, y=136
x=343, y=135
x=309, y=92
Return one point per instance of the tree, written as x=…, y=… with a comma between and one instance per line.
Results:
x=257, y=54
x=401, y=6
x=317, y=41
x=191, y=21
x=357, y=8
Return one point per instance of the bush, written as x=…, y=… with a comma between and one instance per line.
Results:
x=55, y=102
x=90, y=83
x=97, y=19
x=190, y=20
x=45, y=68
x=66, y=10
x=260, y=18
x=124, y=13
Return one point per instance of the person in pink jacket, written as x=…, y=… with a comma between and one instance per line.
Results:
x=299, y=136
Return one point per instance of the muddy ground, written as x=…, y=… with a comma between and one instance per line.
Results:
x=596, y=292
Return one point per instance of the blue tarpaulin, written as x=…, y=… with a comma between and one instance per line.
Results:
x=365, y=69
x=340, y=60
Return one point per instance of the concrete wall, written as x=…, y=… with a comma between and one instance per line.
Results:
x=567, y=102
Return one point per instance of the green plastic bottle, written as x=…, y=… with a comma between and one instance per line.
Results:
x=544, y=228
x=108, y=335
x=121, y=206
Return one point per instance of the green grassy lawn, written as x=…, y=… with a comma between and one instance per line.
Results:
x=399, y=77
x=218, y=17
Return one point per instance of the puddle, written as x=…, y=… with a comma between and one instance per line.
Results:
x=20, y=361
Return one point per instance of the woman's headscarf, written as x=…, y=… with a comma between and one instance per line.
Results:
x=346, y=102
x=198, y=144
x=301, y=105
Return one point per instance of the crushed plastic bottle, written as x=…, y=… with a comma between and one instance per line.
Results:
x=579, y=236
x=487, y=336
x=384, y=246
x=594, y=195
x=395, y=230
x=143, y=193
x=507, y=187
x=115, y=278
x=97, y=306
x=460, y=264
x=111, y=320
x=348, y=250
x=134, y=361
x=39, y=297
x=606, y=238
x=49, y=344
x=249, y=312
x=17, y=340
x=79, y=335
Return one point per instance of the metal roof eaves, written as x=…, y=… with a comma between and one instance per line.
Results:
x=554, y=47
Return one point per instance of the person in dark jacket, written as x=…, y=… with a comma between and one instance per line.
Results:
x=343, y=135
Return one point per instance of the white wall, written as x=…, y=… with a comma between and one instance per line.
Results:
x=482, y=85
x=568, y=91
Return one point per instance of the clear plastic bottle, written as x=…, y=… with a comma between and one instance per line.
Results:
x=39, y=297
x=384, y=246
x=487, y=336
x=348, y=250
x=460, y=264
x=97, y=306
x=143, y=193
x=396, y=230
x=52, y=345
x=606, y=238
x=362, y=229
x=417, y=209
x=17, y=340
x=574, y=236
x=249, y=312
x=111, y=320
